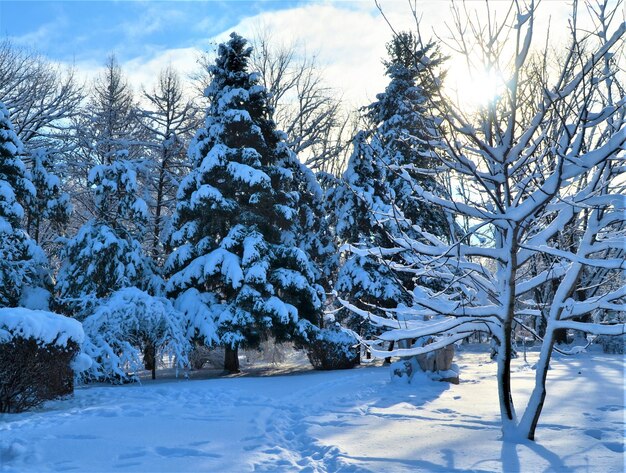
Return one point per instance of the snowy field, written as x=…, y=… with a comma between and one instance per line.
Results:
x=348, y=421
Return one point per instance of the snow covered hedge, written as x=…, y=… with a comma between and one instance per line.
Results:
x=38, y=356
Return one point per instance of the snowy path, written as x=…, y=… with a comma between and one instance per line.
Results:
x=348, y=421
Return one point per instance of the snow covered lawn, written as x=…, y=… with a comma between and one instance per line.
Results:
x=352, y=420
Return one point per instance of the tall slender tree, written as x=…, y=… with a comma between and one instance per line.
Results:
x=106, y=253
x=375, y=202
x=169, y=121
x=107, y=130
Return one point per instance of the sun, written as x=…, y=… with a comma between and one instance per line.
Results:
x=474, y=90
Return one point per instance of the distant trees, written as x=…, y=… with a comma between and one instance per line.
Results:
x=169, y=120
x=42, y=101
x=40, y=97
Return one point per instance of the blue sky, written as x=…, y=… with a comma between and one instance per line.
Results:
x=82, y=30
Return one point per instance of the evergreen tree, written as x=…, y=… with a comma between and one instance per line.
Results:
x=108, y=130
x=310, y=230
x=106, y=254
x=363, y=219
x=22, y=262
x=375, y=202
x=48, y=212
x=401, y=122
x=232, y=212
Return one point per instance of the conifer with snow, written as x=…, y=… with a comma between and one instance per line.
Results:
x=128, y=327
x=360, y=199
x=22, y=262
x=106, y=254
x=49, y=211
x=375, y=202
x=405, y=129
x=231, y=271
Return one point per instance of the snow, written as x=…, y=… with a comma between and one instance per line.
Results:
x=36, y=298
x=352, y=421
x=247, y=174
x=43, y=326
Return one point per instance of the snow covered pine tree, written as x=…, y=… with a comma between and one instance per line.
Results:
x=22, y=262
x=49, y=211
x=232, y=274
x=106, y=255
x=375, y=201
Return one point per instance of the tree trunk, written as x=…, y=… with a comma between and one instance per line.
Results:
x=507, y=410
x=530, y=419
x=505, y=348
x=388, y=359
x=231, y=359
x=149, y=358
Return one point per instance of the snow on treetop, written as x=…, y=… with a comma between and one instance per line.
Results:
x=45, y=327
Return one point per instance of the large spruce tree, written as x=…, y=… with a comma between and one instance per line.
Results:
x=233, y=273
x=401, y=123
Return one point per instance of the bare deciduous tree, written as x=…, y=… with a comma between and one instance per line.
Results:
x=40, y=97
x=169, y=120
x=529, y=176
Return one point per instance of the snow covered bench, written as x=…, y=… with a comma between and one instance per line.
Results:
x=38, y=355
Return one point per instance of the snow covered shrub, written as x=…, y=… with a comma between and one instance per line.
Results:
x=37, y=350
x=333, y=348
x=128, y=326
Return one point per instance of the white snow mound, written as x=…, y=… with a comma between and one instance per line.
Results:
x=45, y=327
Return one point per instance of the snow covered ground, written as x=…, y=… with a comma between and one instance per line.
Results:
x=327, y=421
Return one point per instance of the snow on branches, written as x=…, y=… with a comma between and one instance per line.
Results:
x=541, y=191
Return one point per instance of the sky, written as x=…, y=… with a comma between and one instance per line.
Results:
x=347, y=37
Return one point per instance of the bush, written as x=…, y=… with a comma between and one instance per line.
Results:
x=333, y=348
x=615, y=345
x=31, y=373
x=37, y=351
x=126, y=327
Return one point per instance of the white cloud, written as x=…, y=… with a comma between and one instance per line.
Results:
x=348, y=39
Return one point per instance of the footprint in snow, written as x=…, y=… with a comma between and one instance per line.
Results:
x=177, y=452
x=595, y=433
x=616, y=447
